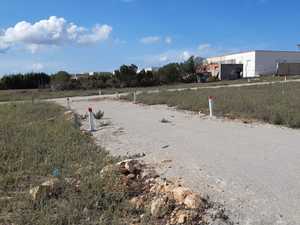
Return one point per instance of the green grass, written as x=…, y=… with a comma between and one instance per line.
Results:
x=17, y=95
x=35, y=139
x=276, y=103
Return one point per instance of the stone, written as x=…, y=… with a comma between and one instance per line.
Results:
x=131, y=176
x=158, y=207
x=180, y=193
x=181, y=216
x=69, y=115
x=107, y=170
x=149, y=174
x=137, y=202
x=129, y=167
x=192, y=201
x=49, y=188
x=133, y=166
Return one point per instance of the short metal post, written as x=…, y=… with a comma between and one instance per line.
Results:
x=134, y=97
x=210, y=104
x=68, y=104
x=100, y=92
x=91, y=120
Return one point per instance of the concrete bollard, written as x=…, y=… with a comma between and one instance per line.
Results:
x=91, y=120
x=68, y=104
x=117, y=95
x=211, y=105
x=100, y=92
x=285, y=78
x=134, y=97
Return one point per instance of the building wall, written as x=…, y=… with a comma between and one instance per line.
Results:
x=246, y=58
x=266, y=61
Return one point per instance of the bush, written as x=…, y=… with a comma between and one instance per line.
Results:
x=99, y=115
x=212, y=79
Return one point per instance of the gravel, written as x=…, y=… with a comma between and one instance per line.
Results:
x=253, y=169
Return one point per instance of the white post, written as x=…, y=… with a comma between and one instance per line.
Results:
x=68, y=104
x=134, y=97
x=210, y=103
x=91, y=120
x=100, y=92
x=117, y=95
x=285, y=78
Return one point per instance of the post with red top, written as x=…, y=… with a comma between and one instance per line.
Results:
x=91, y=120
x=211, y=104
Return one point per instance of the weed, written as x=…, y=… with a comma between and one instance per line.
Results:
x=99, y=115
x=274, y=103
x=32, y=147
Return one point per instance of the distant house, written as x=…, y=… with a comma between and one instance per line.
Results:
x=255, y=63
x=81, y=76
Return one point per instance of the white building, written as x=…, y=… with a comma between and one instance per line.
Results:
x=258, y=63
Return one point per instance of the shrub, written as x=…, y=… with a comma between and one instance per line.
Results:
x=99, y=115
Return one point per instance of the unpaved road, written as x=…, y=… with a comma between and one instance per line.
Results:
x=254, y=170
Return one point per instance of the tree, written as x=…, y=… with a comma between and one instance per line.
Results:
x=146, y=78
x=169, y=73
x=127, y=75
x=61, y=81
x=25, y=81
x=188, y=67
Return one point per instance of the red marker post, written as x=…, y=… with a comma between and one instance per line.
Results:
x=91, y=120
x=211, y=105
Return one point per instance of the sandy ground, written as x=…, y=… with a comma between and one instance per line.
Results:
x=254, y=170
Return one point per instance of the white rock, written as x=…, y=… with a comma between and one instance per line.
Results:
x=180, y=193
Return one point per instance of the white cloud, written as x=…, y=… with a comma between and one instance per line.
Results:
x=99, y=33
x=167, y=57
x=185, y=55
x=37, y=67
x=204, y=47
x=168, y=40
x=3, y=46
x=150, y=40
x=52, y=31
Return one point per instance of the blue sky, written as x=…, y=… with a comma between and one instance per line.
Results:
x=100, y=35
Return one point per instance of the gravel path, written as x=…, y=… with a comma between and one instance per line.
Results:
x=254, y=170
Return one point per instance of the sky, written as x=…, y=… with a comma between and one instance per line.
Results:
x=100, y=35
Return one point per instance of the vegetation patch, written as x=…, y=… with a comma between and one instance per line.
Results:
x=53, y=173
x=274, y=103
x=44, y=154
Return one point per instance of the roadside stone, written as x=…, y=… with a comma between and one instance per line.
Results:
x=107, y=170
x=69, y=115
x=133, y=166
x=158, y=207
x=180, y=193
x=129, y=167
x=192, y=201
x=181, y=216
x=137, y=202
x=49, y=188
x=149, y=174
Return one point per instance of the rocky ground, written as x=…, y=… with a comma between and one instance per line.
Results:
x=249, y=168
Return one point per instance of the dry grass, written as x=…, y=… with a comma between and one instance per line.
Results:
x=35, y=140
x=276, y=103
x=16, y=95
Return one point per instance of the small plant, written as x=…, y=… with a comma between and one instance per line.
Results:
x=99, y=115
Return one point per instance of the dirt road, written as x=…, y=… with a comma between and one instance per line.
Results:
x=254, y=170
